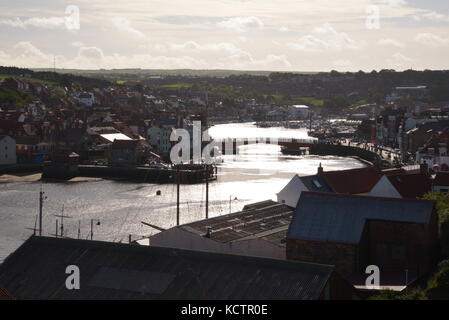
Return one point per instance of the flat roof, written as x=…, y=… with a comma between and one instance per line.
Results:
x=258, y=220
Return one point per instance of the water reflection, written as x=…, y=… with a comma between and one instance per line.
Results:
x=257, y=173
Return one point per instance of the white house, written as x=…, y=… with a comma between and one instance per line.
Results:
x=354, y=181
x=159, y=137
x=7, y=150
x=87, y=99
x=259, y=230
x=298, y=112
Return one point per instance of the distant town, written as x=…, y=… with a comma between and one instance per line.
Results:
x=378, y=231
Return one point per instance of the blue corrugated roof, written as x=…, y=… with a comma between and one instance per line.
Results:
x=341, y=218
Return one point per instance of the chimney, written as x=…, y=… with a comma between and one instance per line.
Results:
x=320, y=169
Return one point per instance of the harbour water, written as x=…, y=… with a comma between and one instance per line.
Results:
x=257, y=173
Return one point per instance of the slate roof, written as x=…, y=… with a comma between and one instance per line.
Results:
x=255, y=220
x=341, y=218
x=316, y=183
x=121, y=271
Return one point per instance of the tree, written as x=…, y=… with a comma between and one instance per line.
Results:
x=442, y=206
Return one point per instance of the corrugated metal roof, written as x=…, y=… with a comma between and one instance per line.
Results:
x=113, y=271
x=341, y=218
x=255, y=219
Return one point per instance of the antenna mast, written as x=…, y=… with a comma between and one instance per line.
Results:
x=62, y=216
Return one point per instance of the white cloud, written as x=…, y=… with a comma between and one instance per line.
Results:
x=399, y=61
x=435, y=16
x=343, y=63
x=324, y=38
x=390, y=42
x=430, y=39
x=77, y=44
x=227, y=56
x=241, y=24
x=393, y=3
x=225, y=47
x=123, y=25
x=42, y=23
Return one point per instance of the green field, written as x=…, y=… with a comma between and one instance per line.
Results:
x=176, y=86
x=309, y=101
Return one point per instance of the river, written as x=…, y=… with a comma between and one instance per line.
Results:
x=257, y=173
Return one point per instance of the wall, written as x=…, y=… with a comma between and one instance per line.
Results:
x=8, y=151
x=182, y=239
x=384, y=188
x=343, y=151
x=399, y=245
x=291, y=192
x=343, y=256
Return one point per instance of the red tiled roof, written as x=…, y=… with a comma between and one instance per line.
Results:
x=411, y=185
x=441, y=179
x=353, y=181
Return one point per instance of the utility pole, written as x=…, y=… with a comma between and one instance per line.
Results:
x=92, y=227
x=41, y=203
x=178, y=182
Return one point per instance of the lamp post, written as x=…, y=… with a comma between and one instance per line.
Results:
x=230, y=202
x=92, y=227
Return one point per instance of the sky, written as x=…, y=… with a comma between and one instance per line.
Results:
x=271, y=35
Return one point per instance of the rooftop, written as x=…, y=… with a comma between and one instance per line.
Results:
x=353, y=181
x=259, y=220
x=121, y=271
x=341, y=218
x=411, y=185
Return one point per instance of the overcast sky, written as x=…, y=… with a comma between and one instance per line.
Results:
x=284, y=35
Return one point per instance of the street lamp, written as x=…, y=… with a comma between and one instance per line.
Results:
x=92, y=227
x=230, y=203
